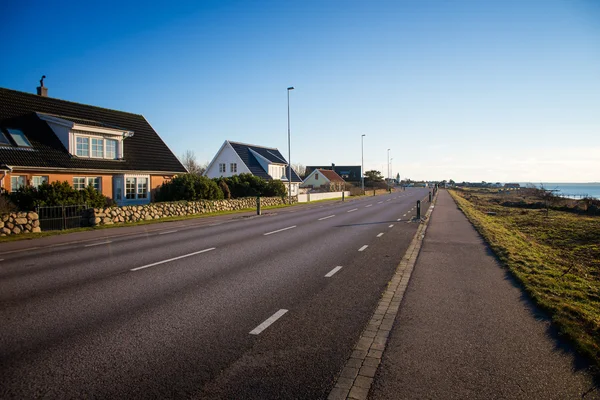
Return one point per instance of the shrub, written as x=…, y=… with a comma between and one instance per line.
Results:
x=56, y=194
x=223, y=186
x=189, y=187
x=248, y=185
x=6, y=206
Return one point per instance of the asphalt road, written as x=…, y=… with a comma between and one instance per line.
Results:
x=179, y=310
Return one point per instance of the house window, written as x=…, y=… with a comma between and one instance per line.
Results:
x=36, y=181
x=222, y=168
x=4, y=139
x=17, y=182
x=316, y=177
x=97, y=148
x=233, y=167
x=83, y=147
x=136, y=188
x=19, y=137
x=142, y=188
x=80, y=183
x=111, y=149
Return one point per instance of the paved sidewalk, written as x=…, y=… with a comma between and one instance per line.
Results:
x=465, y=330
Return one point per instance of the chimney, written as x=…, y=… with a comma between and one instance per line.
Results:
x=332, y=166
x=42, y=90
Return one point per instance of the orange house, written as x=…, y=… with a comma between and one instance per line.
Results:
x=44, y=140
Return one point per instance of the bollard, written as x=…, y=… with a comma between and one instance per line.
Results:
x=373, y=192
x=418, y=209
x=430, y=197
x=343, y=194
x=257, y=205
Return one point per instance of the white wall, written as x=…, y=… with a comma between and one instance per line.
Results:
x=227, y=156
x=303, y=198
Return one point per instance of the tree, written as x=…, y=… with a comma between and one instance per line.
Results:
x=300, y=170
x=398, y=178
x=188, y=159
x=373, y=176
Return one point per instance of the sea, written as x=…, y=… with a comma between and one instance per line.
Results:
x=571, y=190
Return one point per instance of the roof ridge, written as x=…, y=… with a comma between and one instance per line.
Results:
x=254, y=145
x=43, y=98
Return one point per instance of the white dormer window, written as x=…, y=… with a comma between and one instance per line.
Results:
x=88, y=141
x=95, y=146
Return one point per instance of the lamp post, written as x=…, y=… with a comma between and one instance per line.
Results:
x=362, y=162
x=391, y=169
x=289, y=149
x=388, y=171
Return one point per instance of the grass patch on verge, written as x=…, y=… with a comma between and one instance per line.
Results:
x=555, y=257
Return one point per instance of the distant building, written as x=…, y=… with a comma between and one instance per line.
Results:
x=349, y=173
x=324, y=178
x=512, y=185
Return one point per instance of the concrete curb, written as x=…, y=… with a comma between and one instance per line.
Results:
x=356, y=378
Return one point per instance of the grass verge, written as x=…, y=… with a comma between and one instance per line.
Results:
x=556, y=257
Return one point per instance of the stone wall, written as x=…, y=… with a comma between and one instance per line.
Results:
x=115, y=215
x=17, y=223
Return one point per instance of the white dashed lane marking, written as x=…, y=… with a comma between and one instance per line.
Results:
x=172, y=259
x=279, y=230
x=332, y=272
x=268, y=322
x=363, y=248
x=354, y=209
x=330, y=216
x=380, y=235
x=97, y=244
x=167, y=232
x=368, y=205
x=391, y=226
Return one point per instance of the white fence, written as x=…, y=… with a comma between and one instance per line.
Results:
x=304, y=198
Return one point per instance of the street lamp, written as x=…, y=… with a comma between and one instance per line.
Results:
x=289, y=150
x=388, y=171
x=362, y=162
x=391, y=169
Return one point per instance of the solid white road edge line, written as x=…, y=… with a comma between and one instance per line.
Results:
x=364, y=247
x=164, y=233
x=268, y=322
x=97, y=244
x=354, y=209
x=171, y=259
x=333, y=271
x=331, y=216
x=380, y=235
x=279, y=230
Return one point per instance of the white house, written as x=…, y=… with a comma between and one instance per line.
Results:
x=324, y=178
x=235, y=158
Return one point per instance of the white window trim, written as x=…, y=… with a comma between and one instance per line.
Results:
x=79, y=134
x=233, y=168
x=12, y=188
x=39, y=176
x=87, y=182
x=224, y=165
x=136, y=177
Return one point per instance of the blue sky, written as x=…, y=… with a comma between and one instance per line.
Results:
x=464, y=90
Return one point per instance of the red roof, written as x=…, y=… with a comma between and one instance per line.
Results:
x=331, y=175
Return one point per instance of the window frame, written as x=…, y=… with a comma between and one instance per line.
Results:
x=33, y=178
x=90, y=138
x=134, y=188
x=233, y=168
x=87, y=180
x=21, y=135
x=12, y=187
x=222, y=168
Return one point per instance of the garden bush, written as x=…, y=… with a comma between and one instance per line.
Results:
x=189, y=187
x=56, y=194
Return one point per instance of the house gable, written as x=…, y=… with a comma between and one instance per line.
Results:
x=226, y=155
